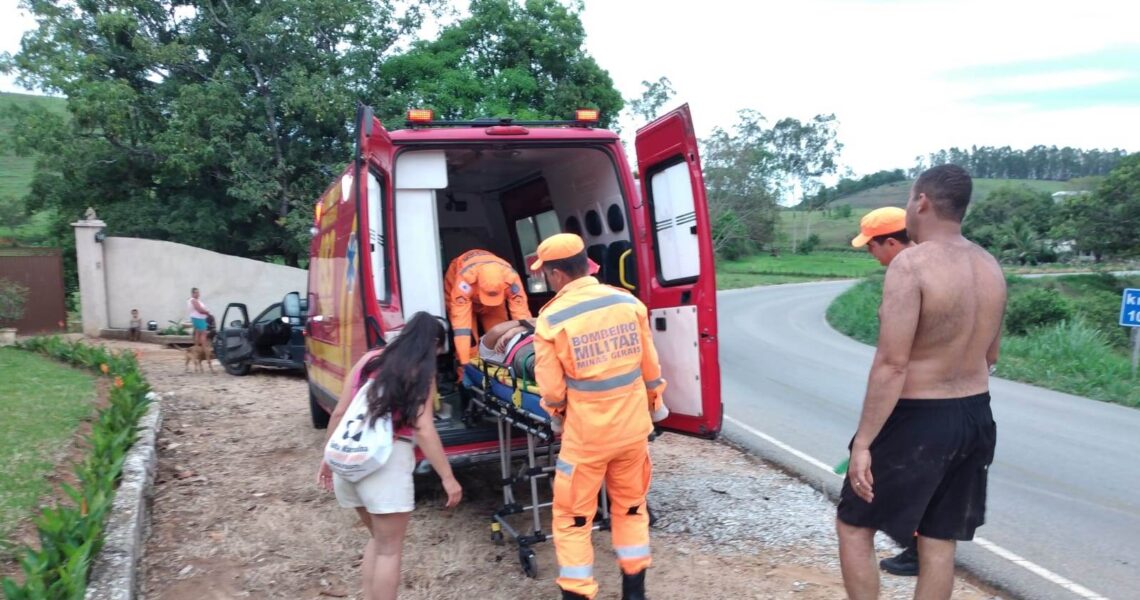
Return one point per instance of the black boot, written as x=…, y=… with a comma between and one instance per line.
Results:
x=633, y=586
x=905, y=563
x=572, y=596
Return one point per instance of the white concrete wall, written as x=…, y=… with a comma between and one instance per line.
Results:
x=156, y=277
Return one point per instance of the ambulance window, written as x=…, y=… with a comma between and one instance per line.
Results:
x=531, y=231
x=615, y=219
x=675, y=224
x=376, y=237
x=593, y=223
x=573, y=225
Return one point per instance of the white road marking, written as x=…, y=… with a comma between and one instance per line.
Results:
x=1028, y=565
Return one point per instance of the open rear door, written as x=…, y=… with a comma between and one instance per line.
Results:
x=680, y=285
x=374, y=252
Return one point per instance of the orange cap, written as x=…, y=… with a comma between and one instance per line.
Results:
x=881, y=221
x=557, y=247
x=491, y=284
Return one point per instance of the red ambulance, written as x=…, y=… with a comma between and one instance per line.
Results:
x=415, y=198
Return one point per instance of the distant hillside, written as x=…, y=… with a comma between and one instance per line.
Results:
x=895, y=194
x=16, y=171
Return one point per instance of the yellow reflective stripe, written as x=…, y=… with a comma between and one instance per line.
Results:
x=632, y=551
x=587, y=306
x=578, y=572
x=603, y=385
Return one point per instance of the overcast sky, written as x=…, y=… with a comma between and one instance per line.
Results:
x=903, y=77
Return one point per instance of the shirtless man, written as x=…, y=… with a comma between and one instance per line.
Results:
x=926, y=437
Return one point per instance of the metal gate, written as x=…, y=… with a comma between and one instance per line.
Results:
x=41, y=271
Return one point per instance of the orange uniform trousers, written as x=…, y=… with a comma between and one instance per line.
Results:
x=578, y=479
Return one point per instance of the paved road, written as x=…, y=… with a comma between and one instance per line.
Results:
x=1065, y=486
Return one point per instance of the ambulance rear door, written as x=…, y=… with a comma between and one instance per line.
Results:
x=380, y=309
x=677, y=266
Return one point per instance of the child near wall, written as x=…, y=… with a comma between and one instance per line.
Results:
x=135, y=332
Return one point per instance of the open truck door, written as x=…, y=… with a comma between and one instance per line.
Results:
x=680, y=290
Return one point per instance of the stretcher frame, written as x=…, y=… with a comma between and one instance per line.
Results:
x=538, y=464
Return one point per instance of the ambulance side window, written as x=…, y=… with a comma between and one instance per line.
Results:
x=674, y=223
x=378, y=253
x=531, y=231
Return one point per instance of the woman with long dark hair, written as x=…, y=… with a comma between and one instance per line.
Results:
x=402, y=378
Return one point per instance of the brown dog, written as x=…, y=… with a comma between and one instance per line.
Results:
x=198, y=354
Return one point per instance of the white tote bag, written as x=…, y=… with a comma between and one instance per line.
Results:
x=356, y=449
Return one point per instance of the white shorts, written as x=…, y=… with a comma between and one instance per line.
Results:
x=387, y=490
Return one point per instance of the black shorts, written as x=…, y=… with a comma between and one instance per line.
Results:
x=929, y=465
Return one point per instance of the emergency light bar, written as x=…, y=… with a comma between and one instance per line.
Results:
x=586, y=115
x=422, y=117
x=419, y=115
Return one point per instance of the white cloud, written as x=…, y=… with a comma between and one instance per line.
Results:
x=885, y=68
x=880, y=66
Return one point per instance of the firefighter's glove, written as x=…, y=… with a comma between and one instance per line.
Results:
x=661, y=413
x=556, y=425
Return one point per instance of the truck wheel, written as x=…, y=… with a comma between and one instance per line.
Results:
x=240, y=369
x=319, y=415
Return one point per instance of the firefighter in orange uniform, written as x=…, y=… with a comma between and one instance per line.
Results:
x=601, y=383
x=480, y=286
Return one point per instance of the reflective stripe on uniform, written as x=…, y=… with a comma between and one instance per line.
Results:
x=602, y=385
x=558, y=404
x=564, y=466
x=462, y=331
x=580, y=572
x=632, y=551
x=656, y=383
x=587, y=306
x=470, y=266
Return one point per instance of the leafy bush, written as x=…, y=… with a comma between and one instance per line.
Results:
x=1101, y=309
x=72, y=534
x=1035, y=308
x=13, y=297
x=1074, y=357
x=809, y=245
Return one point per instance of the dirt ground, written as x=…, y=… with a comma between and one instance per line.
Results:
x=237, y=514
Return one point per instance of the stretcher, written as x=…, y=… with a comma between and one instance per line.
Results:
x=512, y=399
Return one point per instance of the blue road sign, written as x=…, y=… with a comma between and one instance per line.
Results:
x=1130, y=308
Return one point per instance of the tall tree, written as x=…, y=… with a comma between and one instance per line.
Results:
x=206, y=123
x=526, y=61
x=1107, y=222
x=654, y=96
x=217, y=122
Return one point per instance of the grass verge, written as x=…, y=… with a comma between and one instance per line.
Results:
x=794, y=268
x=71, y=533
x=44, y=404
x=1084, y=355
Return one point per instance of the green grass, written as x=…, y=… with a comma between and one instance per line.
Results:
x=834, y=232
x=16, y=171
x=43, y=404
x=1072, y=357
x=1086, y=356
x=792, y=268
x=895, y=194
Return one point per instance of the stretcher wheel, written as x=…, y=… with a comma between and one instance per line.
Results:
x=529, y=562
x=497, y=537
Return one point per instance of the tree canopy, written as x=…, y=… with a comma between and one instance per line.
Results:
x=526, y=61
x=217, y=123
x=1038, y=162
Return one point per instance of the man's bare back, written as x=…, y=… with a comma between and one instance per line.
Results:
x=963, y=294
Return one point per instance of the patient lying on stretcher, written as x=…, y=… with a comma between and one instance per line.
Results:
x=495, y=345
